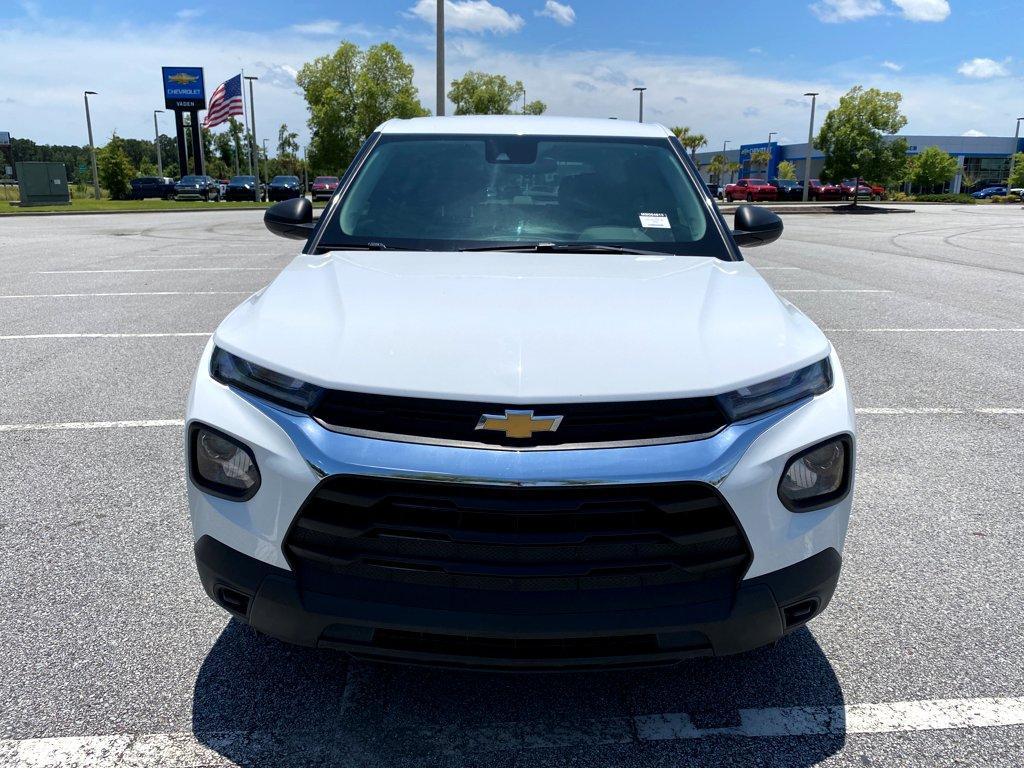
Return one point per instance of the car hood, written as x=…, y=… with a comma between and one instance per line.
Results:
x=522, y=328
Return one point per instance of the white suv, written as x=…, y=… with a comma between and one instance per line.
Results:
x=520, y=402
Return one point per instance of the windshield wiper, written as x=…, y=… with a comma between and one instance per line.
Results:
x=563, y=248
x=373, y=246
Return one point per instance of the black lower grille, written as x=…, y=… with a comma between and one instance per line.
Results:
x=581, y=423
x=565, y=538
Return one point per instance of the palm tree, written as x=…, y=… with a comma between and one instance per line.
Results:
x=691, y=141
x=760, y=159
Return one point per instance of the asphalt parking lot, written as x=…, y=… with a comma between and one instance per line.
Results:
x=113, y=654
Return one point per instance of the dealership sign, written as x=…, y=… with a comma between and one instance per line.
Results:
x=184, y=88
x=5, y=138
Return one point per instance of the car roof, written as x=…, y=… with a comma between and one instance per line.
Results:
x=529, y=125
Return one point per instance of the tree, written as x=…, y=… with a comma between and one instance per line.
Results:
x=349, y=93
x=693, y=142
x=718, y=167
x=856, y=137
x=760, y=159
x=480, y=93
x=1017, y=178
x=786, y=170
x=115, y=168
x=932, y=167
x=287, y=142
x=536, y=107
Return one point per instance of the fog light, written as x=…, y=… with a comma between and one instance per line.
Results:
x=817, y=477
x=221, y=465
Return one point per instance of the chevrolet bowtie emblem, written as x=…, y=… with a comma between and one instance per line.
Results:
x=518, y=424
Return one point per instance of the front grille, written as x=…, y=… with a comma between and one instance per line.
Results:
x=582, y=423
x=566, y=538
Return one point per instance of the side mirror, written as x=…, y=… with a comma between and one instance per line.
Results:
x=755, y=226
x=290, y=218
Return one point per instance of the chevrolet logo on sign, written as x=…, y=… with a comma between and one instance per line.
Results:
x=183, y=78
x=518, y=424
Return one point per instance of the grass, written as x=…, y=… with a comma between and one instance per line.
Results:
x=124, y=206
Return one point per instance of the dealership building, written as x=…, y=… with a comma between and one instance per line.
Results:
x=985, y=159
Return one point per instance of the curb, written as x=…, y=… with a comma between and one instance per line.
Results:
x=20, y=214
x=860, y=210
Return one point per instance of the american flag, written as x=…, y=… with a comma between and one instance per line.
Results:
x=225, y=102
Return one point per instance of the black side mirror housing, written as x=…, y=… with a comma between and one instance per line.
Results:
x=755, y=226
x=290, y=218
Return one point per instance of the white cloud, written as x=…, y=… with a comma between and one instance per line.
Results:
x=755, y=50
x=837, y=11
x=321, y=27
x=469, y=15
x=189, y=13
x=973, y=132
x=923, y=10
x=560, y=12
x=983, y=69
x=892, y=65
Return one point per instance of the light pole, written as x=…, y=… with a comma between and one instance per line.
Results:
x=640, y=90
x=810, y=147
x=725, y=143
x=156, y=132
x=253, y=145
x=1013, y=154
x=92, y=147
x=440, y=57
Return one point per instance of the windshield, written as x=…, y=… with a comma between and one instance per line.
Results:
x=285, y=180
x=243, y=179
x=325, y=179
x=446, y=192
x=191, y=179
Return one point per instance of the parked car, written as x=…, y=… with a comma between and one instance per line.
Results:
x=988, y=192
x=751, y=190
x=223, y=184
x=847, y=187
x=817, y=190
x=197, y=188
x=284, y=188
x=372, y=468
x=324, y=186
x=878, y=191
x=789, y=189
x=152, y=187
x=244, y=188
x=714, y=188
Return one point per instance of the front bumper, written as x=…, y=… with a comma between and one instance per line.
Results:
x=369, y=626
x=240, y=544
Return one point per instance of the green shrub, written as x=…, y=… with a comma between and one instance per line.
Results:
x=1005, y=198
x=946, y=197
x=899, y=196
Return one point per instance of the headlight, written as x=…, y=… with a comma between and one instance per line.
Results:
x=282, y=389
x=767, y=396
x=817, y=477
x=221, y=465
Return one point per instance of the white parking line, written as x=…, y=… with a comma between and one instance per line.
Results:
x=123, y=293
x=92, y=425
x=156, y=269
x=834, y=291
x=186, y=749
x=867, y=411
x=934, y=330
x=9, y=337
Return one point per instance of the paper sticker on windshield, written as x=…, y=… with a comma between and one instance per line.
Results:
x=652, y=220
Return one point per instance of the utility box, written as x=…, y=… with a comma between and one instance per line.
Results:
x=43, y=184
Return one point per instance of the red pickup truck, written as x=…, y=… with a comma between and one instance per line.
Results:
x=751, y=190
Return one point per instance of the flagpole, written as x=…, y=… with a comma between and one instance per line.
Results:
x=245, y=119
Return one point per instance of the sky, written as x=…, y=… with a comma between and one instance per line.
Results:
x=732, y=71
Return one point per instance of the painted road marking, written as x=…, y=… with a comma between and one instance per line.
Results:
x=868, y=411
x=124, y=293
x=154, y=269
x=933, y=330
x=9, y=337
x=93, y=425
x=209, y=748
x=834, y=291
